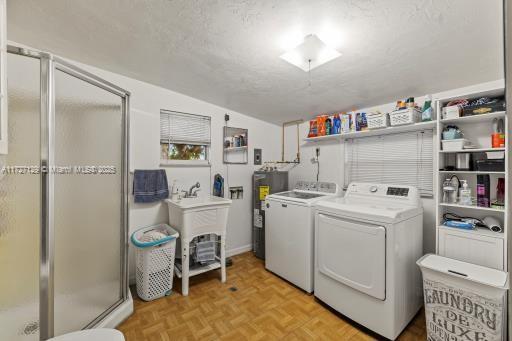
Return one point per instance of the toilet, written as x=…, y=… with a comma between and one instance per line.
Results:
x=101, y=334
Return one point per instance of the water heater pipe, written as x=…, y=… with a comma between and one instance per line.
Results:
x=285, y=124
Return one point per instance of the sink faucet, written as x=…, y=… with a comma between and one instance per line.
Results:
x=191, y=193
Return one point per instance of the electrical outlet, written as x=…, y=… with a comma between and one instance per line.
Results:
x=257, y=156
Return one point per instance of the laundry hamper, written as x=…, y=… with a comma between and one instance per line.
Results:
x=463, y=299
x=154, y=260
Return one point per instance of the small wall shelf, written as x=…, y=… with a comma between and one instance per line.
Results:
x=235, y=145
x=375, y=132
x=235, y=149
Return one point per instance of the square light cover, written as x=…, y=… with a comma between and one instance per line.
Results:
x=312, y=48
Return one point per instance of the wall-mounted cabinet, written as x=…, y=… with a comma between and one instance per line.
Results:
x=3, y=77
x=235, y=145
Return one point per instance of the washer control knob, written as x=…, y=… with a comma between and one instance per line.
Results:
x=373, y=189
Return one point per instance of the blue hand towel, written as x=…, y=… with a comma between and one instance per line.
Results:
x=150, y=185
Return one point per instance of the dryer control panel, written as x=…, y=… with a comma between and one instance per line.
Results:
x=317, y=186
x=399, y=193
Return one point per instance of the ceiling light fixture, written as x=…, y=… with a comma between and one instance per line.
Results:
x=311, y=53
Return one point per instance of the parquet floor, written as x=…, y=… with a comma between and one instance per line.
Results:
x=263, y=307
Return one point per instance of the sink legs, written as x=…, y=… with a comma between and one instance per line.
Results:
x=184, y=267
x=222, y=259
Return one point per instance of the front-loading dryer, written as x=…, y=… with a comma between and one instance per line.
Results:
x=366, y=247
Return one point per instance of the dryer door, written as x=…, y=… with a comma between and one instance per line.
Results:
x=352, y=253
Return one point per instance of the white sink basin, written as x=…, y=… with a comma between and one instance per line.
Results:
x=198, y=202
x=196, y=216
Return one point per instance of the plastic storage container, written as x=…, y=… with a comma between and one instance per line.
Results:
x=377, y=120
x=154, y=260
x=463, y=299
x=404, y=116
x=454, y=145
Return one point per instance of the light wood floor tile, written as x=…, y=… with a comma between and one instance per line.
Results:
x=263, y=307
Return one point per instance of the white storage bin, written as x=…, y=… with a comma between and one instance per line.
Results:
x=404, y=116
x=377, y=120
x=454, y=145
x=451, y=112
x=463, y=298
x=154, y=258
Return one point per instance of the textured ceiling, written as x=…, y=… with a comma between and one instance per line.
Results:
x=227, y=52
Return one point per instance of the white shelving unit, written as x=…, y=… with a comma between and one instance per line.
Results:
x=479, y=246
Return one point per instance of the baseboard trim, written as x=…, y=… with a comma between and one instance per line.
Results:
x=238, y=250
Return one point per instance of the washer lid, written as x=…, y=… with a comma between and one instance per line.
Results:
x=298, y=195
x=368, y=210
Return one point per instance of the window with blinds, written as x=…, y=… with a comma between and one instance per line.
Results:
x=402, y=159
x=184, y=136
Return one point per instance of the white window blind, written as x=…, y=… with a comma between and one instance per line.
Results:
x=182, y=128
x=402, y=159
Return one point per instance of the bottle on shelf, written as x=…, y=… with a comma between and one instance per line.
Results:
x=483, y=188
x=465, y=194
x=426, y=112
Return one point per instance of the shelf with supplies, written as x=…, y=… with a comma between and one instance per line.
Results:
x=479, y=231
x=470, y=172
x=235, y=149
x=475, y=118
x=375, y=132
x=473, y=207
x=474, y=150
x=479, y=175
x=235, y=144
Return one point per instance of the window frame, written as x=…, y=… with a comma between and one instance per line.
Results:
x=185, y=163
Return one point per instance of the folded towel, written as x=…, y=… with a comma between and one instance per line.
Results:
x=150, y=185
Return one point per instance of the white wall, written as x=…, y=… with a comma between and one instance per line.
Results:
x=332, y=157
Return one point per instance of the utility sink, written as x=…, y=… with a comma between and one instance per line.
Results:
x=199, y=202
x=193, y=217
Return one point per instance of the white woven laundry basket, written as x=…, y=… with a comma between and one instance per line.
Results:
x=154, y=258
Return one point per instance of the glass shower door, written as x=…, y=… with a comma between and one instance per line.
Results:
x=88, y=201
x=20, y=205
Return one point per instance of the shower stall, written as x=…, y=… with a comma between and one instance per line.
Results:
x=63, y=200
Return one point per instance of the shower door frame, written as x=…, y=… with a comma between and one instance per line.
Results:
x=48, y=65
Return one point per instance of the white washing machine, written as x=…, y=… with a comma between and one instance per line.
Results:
x=289, y=235
x=366, y=247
